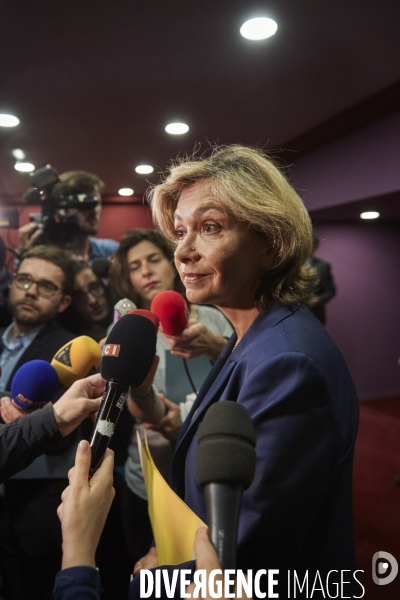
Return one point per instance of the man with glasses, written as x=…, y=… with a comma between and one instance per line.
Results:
x=40, y=290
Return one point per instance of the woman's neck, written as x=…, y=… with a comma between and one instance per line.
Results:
x=241, y=319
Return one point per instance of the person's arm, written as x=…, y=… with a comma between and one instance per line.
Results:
x=84, y=507
x=171, y=423
x=196, y=340
x=27, y=437
x=143, y=402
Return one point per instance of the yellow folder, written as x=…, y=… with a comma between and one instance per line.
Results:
x=174, y=523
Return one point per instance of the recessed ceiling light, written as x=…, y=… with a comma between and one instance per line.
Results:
x=8, y=120
x=144, y=169
x=371, y=214
x=24, y=167
x=18, y=154
x=259, y=29
x=125, y=192
x=177, y=128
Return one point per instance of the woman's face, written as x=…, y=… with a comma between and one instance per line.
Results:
x=150, y=271
x=219, y=259
x=89, y=296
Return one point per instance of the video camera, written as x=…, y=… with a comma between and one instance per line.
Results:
x=64, y=230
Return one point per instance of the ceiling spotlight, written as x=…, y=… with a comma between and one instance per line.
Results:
x=8, y=120
x=144, y=169
x=125, y=192
x=258, y=29
x=24, y=167
x=371, y=214
x=18, y=154
x=177, y=128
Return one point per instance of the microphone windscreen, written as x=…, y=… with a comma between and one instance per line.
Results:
x=172, y=310
x=101, y=267
x=148, y=314
x=123, y=307
x=129, y=350
x=77, y=359
x=226, y=442
x=34, y=384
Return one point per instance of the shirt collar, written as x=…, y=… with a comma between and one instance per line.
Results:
x=15, y=342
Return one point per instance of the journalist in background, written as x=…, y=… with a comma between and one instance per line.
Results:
x=243, y=238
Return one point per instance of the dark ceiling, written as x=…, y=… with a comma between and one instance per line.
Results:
x=95, y=82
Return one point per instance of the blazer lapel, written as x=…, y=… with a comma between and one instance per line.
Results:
x=208, y=394
x=214, y=385
x=32, y=351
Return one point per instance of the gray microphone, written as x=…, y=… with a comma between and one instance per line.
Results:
x=224, y=466
x=122, y=308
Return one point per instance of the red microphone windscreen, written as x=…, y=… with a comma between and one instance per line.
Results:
x=148, y=314
x=172, y=310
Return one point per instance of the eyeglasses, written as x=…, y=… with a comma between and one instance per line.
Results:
x=44, y=288
x=95, y=289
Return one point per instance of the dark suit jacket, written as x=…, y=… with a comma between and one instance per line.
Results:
x=293, y=380
x=33, y=502
x=49, y=339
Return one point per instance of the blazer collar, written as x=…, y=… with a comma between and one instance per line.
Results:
x=214, y=384
x=262, y=323
x=229, y=357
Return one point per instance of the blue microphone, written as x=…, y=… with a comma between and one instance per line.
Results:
x=33, y=385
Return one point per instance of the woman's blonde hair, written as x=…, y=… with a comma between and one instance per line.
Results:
x=249, y=186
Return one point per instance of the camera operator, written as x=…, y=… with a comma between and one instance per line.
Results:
x=88, y=220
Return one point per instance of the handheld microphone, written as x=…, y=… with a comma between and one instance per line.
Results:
x=122, y=308
x=172, y=310
x=33, y=385
x=128, y=354
x=224, y=465
x=148, y=314
x=77, y=359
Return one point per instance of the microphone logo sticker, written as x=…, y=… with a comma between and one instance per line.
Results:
x=63, y=356
x=121, y=401
x=111, y=349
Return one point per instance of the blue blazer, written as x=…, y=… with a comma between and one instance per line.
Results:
x=291, y=377
x=293, y=380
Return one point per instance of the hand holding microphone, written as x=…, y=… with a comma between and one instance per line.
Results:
x=186, y=338
x=77, y=359
x=33, y=386
x=82, y=400
x=36, y=382
x=84, y=507
x=171, y=308
x=128, y=355
x=196, y=340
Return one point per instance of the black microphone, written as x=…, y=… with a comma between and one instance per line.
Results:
x=127, y=356
x=101, y=267
x=225, y=464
